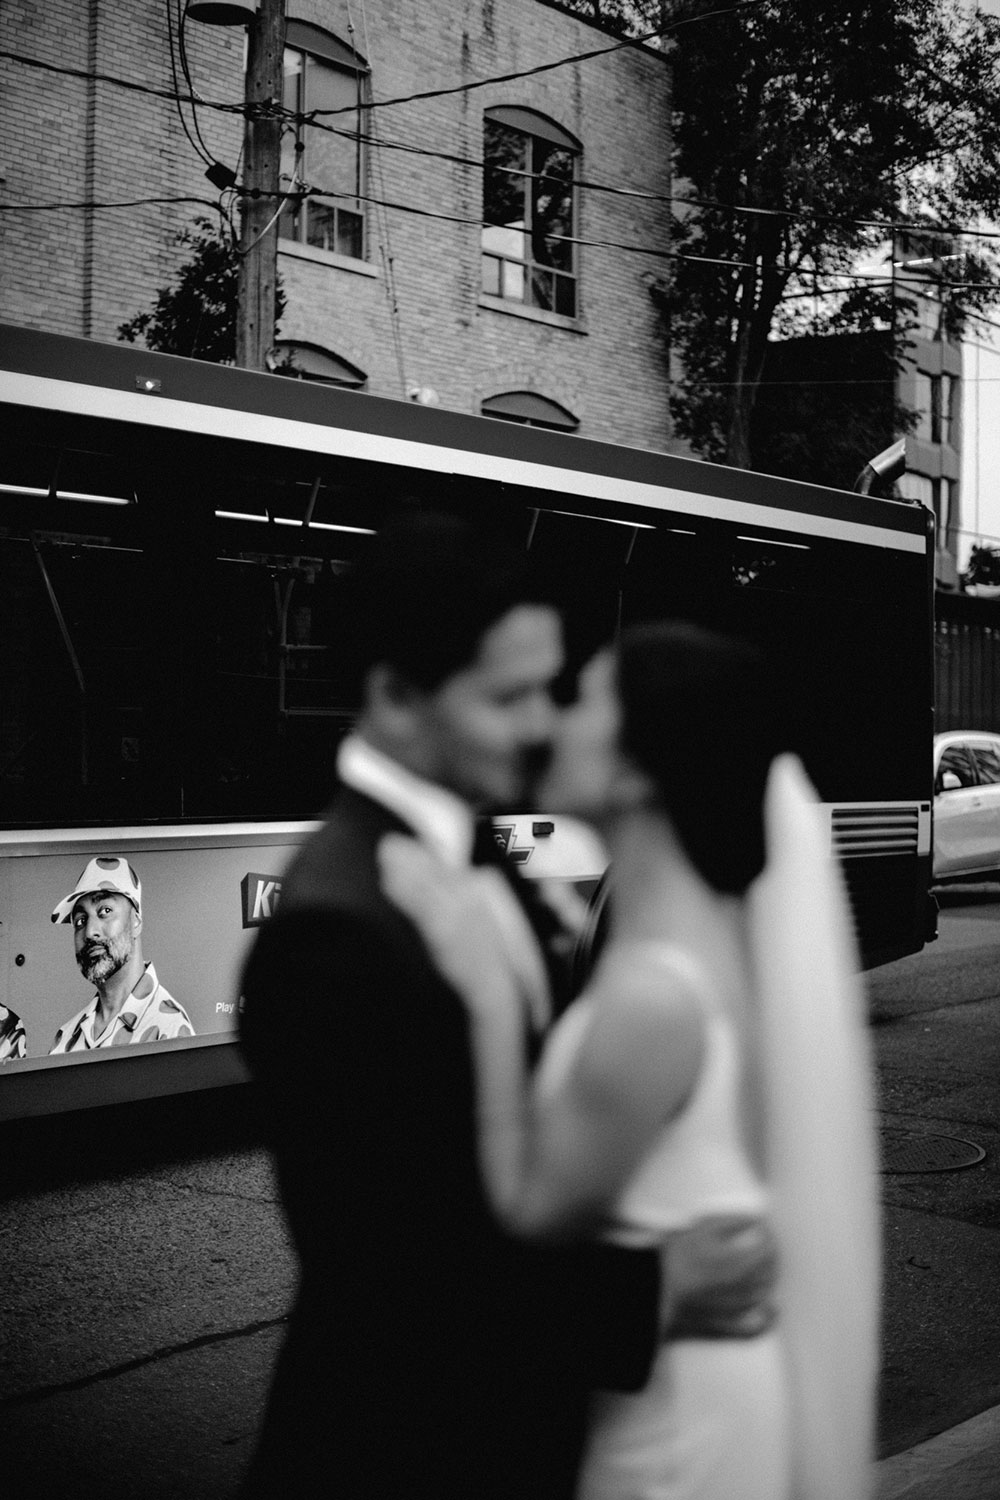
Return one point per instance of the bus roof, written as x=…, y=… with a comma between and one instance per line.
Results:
x=118, y=382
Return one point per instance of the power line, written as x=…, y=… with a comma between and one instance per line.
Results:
x=562, y=62
x=200, y=149
x=90, y=203
x=885, y=226
x=655, y=251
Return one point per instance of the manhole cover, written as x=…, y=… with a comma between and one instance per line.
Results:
x=903, y=1151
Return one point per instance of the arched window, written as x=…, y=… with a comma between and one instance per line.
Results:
x=529, y=210
x=324, y=74
x=530, y=410
x=311, y=362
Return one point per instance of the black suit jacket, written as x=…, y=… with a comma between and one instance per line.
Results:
x=429, y=1352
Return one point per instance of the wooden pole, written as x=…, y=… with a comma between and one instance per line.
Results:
x=258, y=269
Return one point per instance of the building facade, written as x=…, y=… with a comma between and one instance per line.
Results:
x=930, y=384
x=478, y=227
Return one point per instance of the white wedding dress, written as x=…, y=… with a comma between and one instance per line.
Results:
x=789, y=1413
x=712, y=1421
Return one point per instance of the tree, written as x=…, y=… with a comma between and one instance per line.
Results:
x=983, y=569
x=801, y=133
x=196, y=315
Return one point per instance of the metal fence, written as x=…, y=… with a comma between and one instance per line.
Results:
x=966, y=662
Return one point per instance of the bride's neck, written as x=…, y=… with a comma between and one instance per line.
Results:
x=659, y=894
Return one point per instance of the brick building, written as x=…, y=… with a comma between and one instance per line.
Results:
x=392, y=283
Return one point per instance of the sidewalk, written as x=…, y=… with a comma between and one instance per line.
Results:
x=960, y=1464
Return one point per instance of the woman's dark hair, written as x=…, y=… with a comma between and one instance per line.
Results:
x=699, y=717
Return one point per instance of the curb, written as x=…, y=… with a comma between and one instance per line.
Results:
x=962, y=1463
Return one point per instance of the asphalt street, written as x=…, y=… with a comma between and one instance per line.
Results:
x=147, y=1271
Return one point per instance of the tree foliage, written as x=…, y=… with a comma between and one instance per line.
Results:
x=983, y=569
x=196, y=315
x=801, y=132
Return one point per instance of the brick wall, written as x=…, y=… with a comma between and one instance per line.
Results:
x=73, y=139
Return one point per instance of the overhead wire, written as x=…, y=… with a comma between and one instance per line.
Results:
x=886, y=226
x=656, y=251
x=185, y=68
x=199, y=146
x=562, y=62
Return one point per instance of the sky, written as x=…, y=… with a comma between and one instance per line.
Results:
x=980, y=479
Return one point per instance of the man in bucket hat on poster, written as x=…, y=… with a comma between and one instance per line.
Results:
x=130, y=1004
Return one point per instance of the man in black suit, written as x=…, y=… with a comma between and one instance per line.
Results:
x=430, y=1352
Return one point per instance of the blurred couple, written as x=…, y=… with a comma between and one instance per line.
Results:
x=620, y=1245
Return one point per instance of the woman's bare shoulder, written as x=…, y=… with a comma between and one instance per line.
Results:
x=647, y=1025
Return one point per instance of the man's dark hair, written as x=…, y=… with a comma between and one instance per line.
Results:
x=699, y=715
x=426, y=591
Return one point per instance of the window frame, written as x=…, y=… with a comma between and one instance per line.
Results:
x=311, y=42
x=534, y=128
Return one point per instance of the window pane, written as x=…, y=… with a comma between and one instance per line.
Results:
x=552, y=207
x=922, y=400
x=542, y=291
x=350, y=234
x=321, y=225
x=954, y=759
x=987, y=763
x=491, y=276
x=330, y=88
x=512, y=283
x=504, y=175
x=291, y=93
x=511, y=244
x=565, y=296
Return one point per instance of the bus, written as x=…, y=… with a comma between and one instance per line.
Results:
x=174, y=539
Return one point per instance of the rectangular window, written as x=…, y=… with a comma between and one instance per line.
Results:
x=528, y=219
x=926, y=401
x=327, y=157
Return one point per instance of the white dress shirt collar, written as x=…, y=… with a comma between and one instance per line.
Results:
x=440, y=818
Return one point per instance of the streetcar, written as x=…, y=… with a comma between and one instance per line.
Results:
x=174, y=542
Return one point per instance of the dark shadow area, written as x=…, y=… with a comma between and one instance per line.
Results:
x=115, y=1141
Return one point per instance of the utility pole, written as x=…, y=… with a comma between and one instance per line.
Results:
x=258, y=269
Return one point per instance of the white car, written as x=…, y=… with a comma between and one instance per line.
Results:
x=966, y=805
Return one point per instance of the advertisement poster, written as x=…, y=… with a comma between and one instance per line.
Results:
x=184, y=906
x=175, y=908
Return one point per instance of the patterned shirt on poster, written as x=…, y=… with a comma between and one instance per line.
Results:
x=157, y=1017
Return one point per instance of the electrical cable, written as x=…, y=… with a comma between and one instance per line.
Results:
x=185, y=68
x=200, y=150
x=655, y=251
x=291, y=193
x=885, y=226
x=562, y=62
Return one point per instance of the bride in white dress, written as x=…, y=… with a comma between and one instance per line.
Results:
x=716, y=1062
